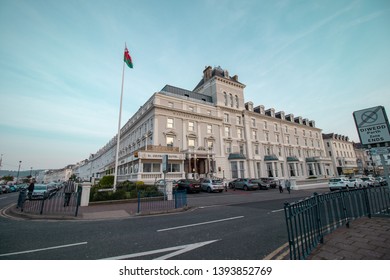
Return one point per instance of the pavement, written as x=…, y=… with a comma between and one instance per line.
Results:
x=365, y=239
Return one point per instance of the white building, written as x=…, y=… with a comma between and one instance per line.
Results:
x=58, y=175
x=342, y=153
x=211, y=131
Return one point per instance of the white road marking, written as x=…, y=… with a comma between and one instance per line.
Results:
x=43, y=249
x=177, y=251
x=274, y=211
x=199, y=224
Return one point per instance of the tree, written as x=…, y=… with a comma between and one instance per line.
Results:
x=8, y=178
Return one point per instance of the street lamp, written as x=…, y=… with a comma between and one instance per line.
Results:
x=17, y=177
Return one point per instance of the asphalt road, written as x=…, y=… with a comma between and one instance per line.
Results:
x=234, y=225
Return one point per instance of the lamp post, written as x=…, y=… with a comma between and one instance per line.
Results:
x=17, y=177
x=1, y=161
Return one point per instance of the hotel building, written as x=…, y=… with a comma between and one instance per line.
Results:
x=211, y=131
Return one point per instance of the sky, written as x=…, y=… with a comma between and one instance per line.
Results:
x=61, y=64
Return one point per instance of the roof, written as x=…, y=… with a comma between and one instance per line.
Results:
x=186, y=93
x=217, y=72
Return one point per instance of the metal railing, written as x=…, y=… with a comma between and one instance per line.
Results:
x=309, y=220
x=161, y=203
x=58, y=203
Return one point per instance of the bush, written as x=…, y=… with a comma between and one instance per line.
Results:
x=106, y=182
x=125, y=190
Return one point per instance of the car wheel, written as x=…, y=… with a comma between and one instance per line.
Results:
x=245, y=188
x=209, y=190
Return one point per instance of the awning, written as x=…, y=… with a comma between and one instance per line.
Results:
x=270, y=157
x=292, y=159
x=236, y=156
x=311, y=159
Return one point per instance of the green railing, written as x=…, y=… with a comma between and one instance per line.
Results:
x=58, y=203
x=309, y=220
x=161, y=203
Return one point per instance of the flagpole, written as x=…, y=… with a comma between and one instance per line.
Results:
x=119, y=131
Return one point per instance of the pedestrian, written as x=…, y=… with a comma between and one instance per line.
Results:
x=31, y=189
x=21, y=199
x=280, y=187
x=68, y=190
x=288, y=186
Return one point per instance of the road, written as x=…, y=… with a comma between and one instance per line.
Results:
x=233, y=225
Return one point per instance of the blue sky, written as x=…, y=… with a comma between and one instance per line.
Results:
x=61, y=64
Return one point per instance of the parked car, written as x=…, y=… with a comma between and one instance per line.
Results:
x=262, y=185
x=272, y=182
x=161, y=183
x=356, y=182
x=371, y=182
x=212, y=185
x=382, y=181
x=244, y=183
x=42, y=191
x=189, y=185
x=5, y=189
x=13, y=188
x=52, y=188
x=339, y=183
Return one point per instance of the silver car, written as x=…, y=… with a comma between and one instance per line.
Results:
x=212, y=185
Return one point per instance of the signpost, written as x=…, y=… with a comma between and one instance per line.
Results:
x=374, y=132
x=168, y=185
x=373, y=126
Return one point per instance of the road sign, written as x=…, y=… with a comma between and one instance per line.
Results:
x=380, y=151
x=372, y=125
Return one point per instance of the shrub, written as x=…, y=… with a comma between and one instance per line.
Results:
x=106, y=182
x=125, y=190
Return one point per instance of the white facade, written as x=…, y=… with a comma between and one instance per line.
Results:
x=342, y=153
x=212, y=131
x=58, y=175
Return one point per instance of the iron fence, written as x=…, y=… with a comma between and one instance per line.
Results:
x=309, y=220
x=57, y=203
x=161, y=203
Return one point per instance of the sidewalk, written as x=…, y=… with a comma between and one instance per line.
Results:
x=365, y=239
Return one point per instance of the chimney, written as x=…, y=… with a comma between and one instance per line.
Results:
x=207, y=72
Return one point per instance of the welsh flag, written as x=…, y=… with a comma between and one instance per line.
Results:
x=127, y=58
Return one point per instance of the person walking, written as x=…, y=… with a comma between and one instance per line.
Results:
x=280, y=188
x=69, y=189
x=31, y=189
x=288, y=186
